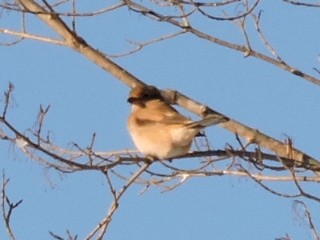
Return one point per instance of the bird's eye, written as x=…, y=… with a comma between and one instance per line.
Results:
x=150, y=94
x=146, y=95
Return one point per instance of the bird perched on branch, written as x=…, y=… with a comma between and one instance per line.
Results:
x=158, y=130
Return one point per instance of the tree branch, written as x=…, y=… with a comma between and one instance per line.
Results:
x=299, y=158
x=245, y=50
x=78, y=44
x=23, y=35
x=103, y=225
x=7, y=207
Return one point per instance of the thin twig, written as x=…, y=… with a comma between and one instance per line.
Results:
x=303, y=4
x=263, y=38
x=24, y=35
x=6, y=203
x=302, y=191
x=308, y=214
x=144, y=10
x=103, y=225
x=40, y=119
x=141, y=45
x=8, y=98
x=67, y=14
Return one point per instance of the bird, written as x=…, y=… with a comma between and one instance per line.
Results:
x=157, y=129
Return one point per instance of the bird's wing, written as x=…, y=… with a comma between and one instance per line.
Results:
x=159, y=112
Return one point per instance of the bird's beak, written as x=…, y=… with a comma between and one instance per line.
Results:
x=131, y=99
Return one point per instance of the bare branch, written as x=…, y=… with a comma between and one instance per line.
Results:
x=258, y=181
x=55, y=236
x=238, y=16
x=8, y=207
x=307, y=214
x=141, y=45
x=8, y=98
x=24, y=143
x=303, y=4
x=287, y=237
x=74, y=17
x=78, y=44
x=23, y=35
x=303, y=192
x=159, y=17
x=41, y=117
x=300, y=158
x=15, y=7
x=262, y=36
x=103, y=225
x=286, y=158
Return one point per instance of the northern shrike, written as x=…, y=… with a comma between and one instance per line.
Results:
x=158, y=130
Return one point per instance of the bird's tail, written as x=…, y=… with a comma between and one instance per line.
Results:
x=209, y=120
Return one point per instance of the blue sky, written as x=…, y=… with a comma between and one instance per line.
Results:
x=85, y=99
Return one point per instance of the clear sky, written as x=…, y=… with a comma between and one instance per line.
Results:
x=85, y=99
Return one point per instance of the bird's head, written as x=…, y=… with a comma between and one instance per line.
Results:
x=140, y=94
